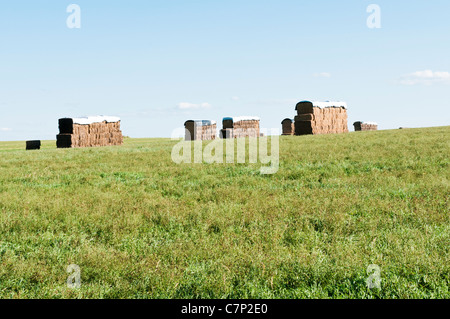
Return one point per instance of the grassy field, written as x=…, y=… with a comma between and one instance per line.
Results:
x=141, y=226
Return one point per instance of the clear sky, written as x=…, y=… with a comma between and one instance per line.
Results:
x=158, y=63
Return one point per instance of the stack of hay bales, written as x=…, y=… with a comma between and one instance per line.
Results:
x=89, y=132
x=200, y=130
x=321, y=118
x=241, y=126
x=288, y=127
x=365, y=126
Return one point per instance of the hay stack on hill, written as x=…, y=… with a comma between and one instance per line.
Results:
x=288, y=127
x=365, y=126
x=241, y=126
x=321, y=118
x=200, y=130
x=89, y=132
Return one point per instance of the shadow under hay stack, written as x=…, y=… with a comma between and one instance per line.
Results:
x=288, y=127
x=200, y=130
x=321, y=118
x=89, y=132
x=241, y=126
x=365, y=126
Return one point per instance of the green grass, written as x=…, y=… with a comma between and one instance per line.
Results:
x=140, y=226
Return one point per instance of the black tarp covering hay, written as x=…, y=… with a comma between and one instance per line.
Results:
x=33, y=145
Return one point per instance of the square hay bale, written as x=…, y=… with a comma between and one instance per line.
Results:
x=227, y=123
x=305, y=117
x=64, y=141
x=303, y=127
x=226, y=133
x=304, y=107
x=66, y=126
x=288, y=127
x=33, y=145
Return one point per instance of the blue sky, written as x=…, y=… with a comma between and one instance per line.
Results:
x=158, y=63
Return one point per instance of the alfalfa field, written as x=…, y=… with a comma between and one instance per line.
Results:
x=140, y=226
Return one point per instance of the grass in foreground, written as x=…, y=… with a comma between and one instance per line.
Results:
x=140, y=226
